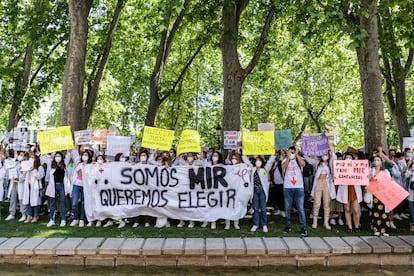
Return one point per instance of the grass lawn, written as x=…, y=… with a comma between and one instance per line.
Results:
x=275, y=223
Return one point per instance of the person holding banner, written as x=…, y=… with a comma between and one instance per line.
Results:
x=260, y=181
x=379, y=213
x=323, y=187
x=56, y=189
x=350, y=196
x=100, y=160
x=32, y=185
x=12, y=175
x=20, y=185
x=234, y=159
x=294, y=189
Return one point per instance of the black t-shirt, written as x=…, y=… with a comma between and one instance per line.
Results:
x=58, y=175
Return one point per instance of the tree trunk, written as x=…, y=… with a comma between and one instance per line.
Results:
x=401, y=118
x=74, y=74
x=21, y=87
x=93, y=88
x=371, y=81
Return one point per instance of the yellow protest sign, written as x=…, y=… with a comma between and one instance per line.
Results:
x=55, y=140
x=189, y=142
x=157, y=138
x=258, y=143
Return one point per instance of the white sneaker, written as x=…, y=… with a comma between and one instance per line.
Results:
x=213, y=225
x=147, y=224
x=121, y=224
x=191, y=224
x=204, y=225
x=181, y=224
x=74, y=223
x=98, y=223
x=265, y=230
x=392, y=225
x=23, y=218
x=283, y=214
x=277, y=213
x=90, y=224
x=81, y=223
x=63, y=223
x=135, y=225
x=236, y=226
x=9, y=217
x=341, y=222
x=404, y=216
x=397, y=216
x=332, y=221
x=50, y=223
x=377, y=234
x=109, y=223
x=253, y=229
x=227, y=226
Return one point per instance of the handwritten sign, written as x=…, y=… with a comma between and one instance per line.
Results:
x=386, y=190
x=55, y=140
x=266, y=127
x=283, y=139
x=408, y=142
x=27, y=165
x=83, y=137
x=231, y=139
x=99, y=137
x=189, y=142
x=118, y=144
x=351, y=172
x=315, y=145
x=157, y=138
x=258, y=143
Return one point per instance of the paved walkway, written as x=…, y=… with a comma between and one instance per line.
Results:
x=178, y=252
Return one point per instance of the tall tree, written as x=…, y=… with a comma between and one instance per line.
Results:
x=233, y=72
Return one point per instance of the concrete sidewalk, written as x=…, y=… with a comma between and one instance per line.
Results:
x=182, y=252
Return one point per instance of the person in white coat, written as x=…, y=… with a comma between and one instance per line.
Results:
x=32, y=186
x=323, y=187
x=260, y=180
x=351, y=196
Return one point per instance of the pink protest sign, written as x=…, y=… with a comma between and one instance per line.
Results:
x=351, y=172
x=386, y=190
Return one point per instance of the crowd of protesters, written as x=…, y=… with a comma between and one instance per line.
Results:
x=284, y=183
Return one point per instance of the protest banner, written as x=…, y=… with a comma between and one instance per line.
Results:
x=387, y=190
x=26, y=165
x=351, y=172
x=189, y=142
x=283, y=139
x=317, y=145
x=83, y=137
x=408, y=142
x=157, y=138
x=266, y=127
x=99, y=137
x=121, y=190
x=231, y=139
x=258, y=143
x=55, y=140
x=9, y=163
x=118, y=144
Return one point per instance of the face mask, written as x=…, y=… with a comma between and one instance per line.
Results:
x=277, y=158
x=410, y=155
x=100, y=161
x=190, y=159
x=377, y=163
x=19, y=158
x=209, y=155
x=325, y=157
x=214, y=158
x=143, y=158
x=172, y=155
x=122, y=159
x=159, y=162
x=32, y=148
x=85, y=158
x=234, y=161
x=258, y=163
x=58, y=159
x=292, y=156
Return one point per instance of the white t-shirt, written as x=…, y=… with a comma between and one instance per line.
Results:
x=293, y=175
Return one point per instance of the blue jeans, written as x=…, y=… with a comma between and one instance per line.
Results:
x=59, y=191
x=77, y=194
x=259, y=205
x=298, y=195
x=411, y=207
x=33, y=211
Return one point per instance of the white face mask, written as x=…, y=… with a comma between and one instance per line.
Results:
x=159, y=163
x=32, y=148
x=377, y=163
x=258, y=163
x=214, y=158
x=58, y=159
x=143, y=158
x=325, y=157
x=100, y=161
x=190, y=159
x=292, y=155
x=85, y=158
x=234, y=161
x=19, y=158
x=122, y=159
